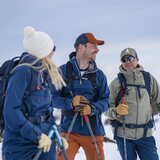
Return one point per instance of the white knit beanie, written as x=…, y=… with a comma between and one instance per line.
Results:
x=37, y=43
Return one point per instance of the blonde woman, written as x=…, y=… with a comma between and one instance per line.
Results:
x=28, y=104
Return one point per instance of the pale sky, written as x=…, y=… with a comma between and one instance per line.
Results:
x=121, y=23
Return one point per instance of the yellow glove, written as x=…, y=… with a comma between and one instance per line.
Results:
x=65, y=143
x=45, y=143
x=84, y=109
x=122, y=109
x=77, y=100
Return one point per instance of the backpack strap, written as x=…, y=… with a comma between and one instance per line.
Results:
x=92, y=78
x=69, y=70
x=123, y=86
x=147, y=81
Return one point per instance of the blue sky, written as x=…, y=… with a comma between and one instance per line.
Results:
x=121, y=23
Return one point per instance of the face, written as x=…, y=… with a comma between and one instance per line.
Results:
x=129, y=63
x=90, y=51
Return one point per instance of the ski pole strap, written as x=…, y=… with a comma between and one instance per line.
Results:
x=146, y=126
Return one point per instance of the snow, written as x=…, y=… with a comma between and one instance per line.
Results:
x=111, y=151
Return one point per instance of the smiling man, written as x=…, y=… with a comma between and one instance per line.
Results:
x=87, y=93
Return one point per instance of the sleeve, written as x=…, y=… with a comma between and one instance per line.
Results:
x=58, y=101
x=14, y=118
x=111, y=112
x=102, y=103
x=155, y=94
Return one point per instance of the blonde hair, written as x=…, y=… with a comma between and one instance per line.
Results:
x=53, y=71
x=50, y=66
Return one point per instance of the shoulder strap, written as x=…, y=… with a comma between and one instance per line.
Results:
x=92, y=78
x=147, y=81
x=123, y=83
x=69, y=69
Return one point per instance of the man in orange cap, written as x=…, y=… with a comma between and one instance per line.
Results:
x=87, y=93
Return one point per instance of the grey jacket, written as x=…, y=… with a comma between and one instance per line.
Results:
x=140, y=110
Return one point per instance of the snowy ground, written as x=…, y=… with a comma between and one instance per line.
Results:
x=111, y=152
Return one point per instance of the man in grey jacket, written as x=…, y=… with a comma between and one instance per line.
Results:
x=131, y=107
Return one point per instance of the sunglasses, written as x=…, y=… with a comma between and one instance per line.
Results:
x=54, y=48
x=127, y=58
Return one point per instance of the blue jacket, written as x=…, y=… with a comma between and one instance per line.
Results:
x=20, y=133
x=83, y=86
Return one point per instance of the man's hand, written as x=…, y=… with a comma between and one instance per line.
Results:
x=45, y=143
x=78, y=100
x=81, y=105
x=122, y=109
x=84, y=109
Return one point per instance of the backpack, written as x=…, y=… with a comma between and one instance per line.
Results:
x=5, y=71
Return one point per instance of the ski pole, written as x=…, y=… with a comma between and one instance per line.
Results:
x=40, y=150
x=71, y=125
x=92, y=135
x=60, y=144
x=124, y=125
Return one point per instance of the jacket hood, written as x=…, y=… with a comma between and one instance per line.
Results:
x=28, y=58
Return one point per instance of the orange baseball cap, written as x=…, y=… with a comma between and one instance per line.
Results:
x=87, y=38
